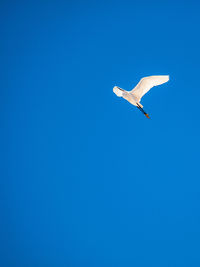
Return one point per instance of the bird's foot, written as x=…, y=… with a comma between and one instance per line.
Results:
x=147, y=115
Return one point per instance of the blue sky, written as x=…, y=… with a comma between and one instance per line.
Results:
x=86, y=179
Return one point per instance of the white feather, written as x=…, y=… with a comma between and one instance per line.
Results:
x=146, y=83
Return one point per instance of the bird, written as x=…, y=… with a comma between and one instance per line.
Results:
x=145, y=84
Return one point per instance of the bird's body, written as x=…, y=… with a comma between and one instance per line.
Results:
x=145, y=84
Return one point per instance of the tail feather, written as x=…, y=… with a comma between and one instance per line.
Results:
x=139, y=104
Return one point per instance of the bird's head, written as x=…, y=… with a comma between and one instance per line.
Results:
x=118, y=91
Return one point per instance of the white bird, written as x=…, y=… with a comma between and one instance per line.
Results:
x=145, y=84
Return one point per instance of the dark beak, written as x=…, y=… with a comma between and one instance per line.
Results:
x=120, y=89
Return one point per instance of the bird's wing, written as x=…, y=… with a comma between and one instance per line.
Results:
x=146, y=83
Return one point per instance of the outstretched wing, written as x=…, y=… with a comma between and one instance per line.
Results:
x=146, y=83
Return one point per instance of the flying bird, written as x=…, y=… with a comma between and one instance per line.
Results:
x=145, y=84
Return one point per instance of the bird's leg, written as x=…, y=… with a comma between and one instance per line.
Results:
x=142, y=110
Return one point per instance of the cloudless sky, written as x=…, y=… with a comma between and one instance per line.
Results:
x=86, y=178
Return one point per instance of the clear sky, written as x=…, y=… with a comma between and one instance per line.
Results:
x=86, y=178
